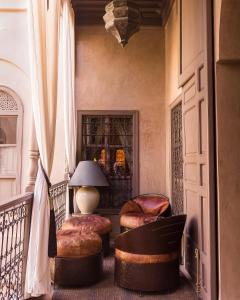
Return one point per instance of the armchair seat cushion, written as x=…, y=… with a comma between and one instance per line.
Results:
x=143, y=209
x=93, y=223
x=135, y=219
x=72, y=243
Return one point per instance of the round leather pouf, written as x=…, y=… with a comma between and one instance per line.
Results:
x=93, y=223
x=73, y=243
x=78, y=271
x=79, y=258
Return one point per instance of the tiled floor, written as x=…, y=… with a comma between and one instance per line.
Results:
x=106, y=290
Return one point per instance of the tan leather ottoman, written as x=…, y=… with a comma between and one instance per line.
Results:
x=92, y=223
x=79, y=258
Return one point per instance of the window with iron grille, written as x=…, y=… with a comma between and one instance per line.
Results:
x=111, y=139
x=177, y=159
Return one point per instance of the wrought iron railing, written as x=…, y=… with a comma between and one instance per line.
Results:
x=15, y=219
x=58, y=194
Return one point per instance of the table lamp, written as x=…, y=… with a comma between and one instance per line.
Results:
x=87, y=176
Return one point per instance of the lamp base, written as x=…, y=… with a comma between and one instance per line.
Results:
x=87, y=198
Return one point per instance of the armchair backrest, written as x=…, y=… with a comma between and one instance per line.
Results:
x=152, y=203
x=159, y=237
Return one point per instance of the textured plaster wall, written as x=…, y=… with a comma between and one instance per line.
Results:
x=217, y=14
x=111, y=78
x=172, y=54
x=14, y=66
x=226, y=28
x=227, y=51
x=172, y=90
x=228, y=145
x=229, y=41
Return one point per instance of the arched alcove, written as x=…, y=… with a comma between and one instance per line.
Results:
x=11, y=120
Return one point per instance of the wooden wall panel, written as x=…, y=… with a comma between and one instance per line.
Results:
x=190, y=172
x=190, y=127
x=195, y=80
x=195, y=178
x=190, y=92
x=191, y=33
x=203, y=121
x=8, y=159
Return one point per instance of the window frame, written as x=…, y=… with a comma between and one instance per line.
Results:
x=135, y=150
x=19, y=136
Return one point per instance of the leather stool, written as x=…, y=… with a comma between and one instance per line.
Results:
x=79, y=258
x=92, y=223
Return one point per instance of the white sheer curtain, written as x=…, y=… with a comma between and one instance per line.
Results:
x=43, y=44
x=66, y=85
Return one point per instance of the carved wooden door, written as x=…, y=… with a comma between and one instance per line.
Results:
x=10, y=144
x=197, y=112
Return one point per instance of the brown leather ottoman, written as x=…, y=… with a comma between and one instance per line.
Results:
x=79, y=258
x=93, y=223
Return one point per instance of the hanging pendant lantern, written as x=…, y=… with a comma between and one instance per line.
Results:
x=122, y=19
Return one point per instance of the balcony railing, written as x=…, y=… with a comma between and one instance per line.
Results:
x=58, y=194
x=15, y=219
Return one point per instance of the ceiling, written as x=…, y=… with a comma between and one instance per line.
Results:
x=90, y=12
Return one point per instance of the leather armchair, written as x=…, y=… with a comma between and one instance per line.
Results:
x=147, y=257
x=143, y=209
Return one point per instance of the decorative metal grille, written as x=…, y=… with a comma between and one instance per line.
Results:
x=15, y=218
x=7, y=102
x=177, y=159
x=58, y=194
x=108, y=139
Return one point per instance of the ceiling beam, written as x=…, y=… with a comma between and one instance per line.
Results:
x=89, y=12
